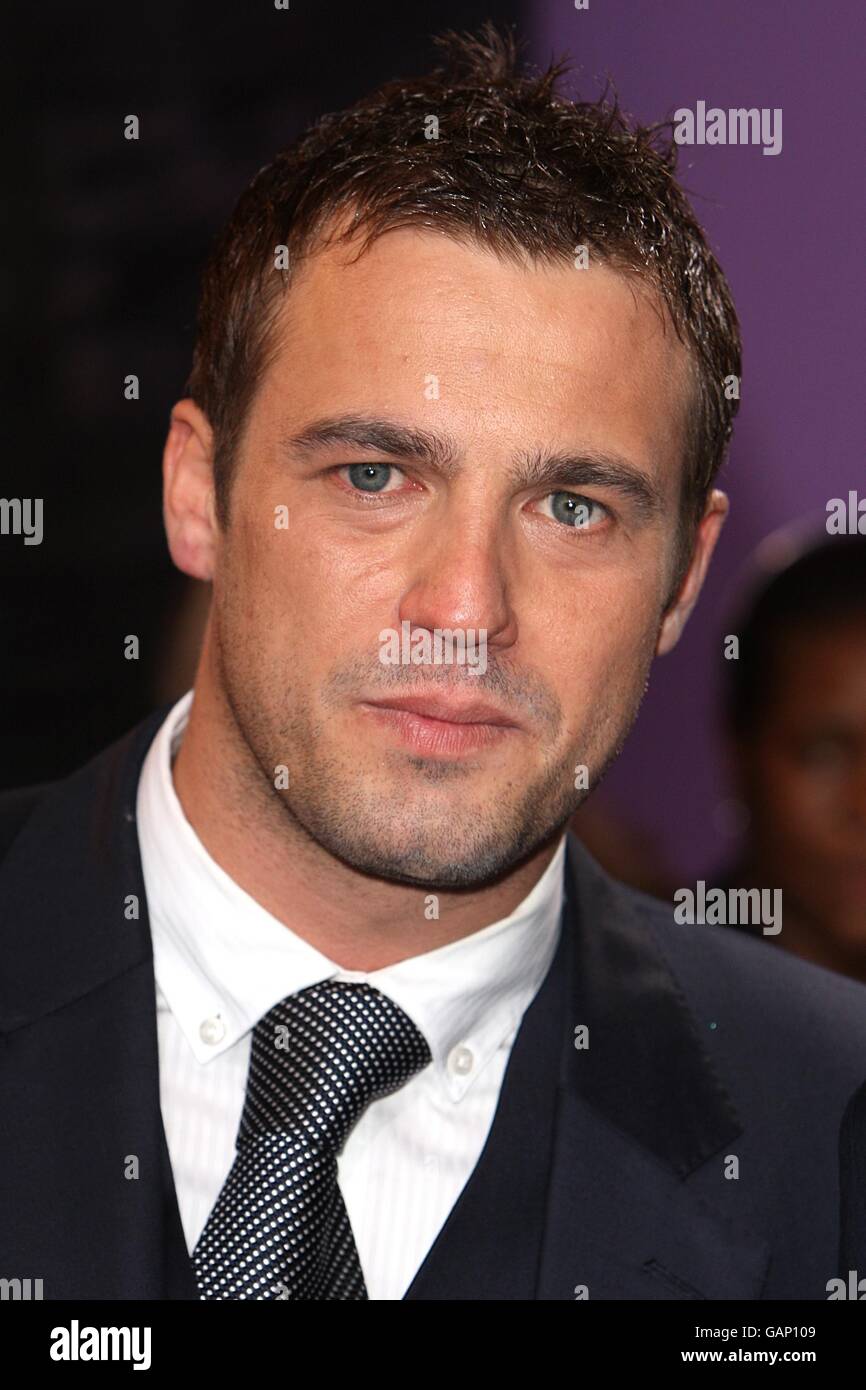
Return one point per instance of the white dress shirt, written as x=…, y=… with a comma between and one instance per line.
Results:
x=221, y=962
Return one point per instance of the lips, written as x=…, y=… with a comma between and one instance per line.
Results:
x=448, y=711
x=436, y=727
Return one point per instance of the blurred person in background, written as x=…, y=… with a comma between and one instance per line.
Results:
x=796, y=724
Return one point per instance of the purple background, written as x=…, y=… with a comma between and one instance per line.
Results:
x=788, y=232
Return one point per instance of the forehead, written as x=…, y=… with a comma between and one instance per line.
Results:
x=423, y=323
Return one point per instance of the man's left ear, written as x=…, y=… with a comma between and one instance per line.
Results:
x=707, y=534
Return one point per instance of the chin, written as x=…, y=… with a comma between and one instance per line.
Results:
x=431, y=867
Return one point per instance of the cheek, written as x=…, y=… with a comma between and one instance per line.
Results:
x=262, y=597
x=597, y=659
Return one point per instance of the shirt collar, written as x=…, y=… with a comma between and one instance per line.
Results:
x=221, y=960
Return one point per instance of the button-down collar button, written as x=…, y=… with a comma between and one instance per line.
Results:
x=212, y=1031
x=461, y=1061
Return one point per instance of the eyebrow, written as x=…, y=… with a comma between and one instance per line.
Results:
x=440, y=453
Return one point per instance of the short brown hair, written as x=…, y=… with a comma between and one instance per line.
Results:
x=517, y=168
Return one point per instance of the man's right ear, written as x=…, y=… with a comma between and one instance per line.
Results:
x=188, y=491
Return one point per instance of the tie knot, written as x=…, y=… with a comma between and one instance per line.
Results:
x=320, y=1056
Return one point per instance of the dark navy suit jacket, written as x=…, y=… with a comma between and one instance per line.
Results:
x=608, y=1172
x=852, y=1180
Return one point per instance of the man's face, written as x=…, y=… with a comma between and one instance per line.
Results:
x=504, y=365
x=804, y=777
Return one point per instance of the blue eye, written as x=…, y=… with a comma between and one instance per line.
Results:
x=575, y=511
x=370, y=477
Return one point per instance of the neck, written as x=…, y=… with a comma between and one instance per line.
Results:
x=358, y=921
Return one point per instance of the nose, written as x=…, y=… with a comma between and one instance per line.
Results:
x=461, y=582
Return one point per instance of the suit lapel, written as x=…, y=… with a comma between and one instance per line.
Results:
x=641, y=1110
x=623, y=1226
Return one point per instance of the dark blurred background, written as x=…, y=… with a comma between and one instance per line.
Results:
x=105, y=239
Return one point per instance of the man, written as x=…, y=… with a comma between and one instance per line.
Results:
x=307, y=995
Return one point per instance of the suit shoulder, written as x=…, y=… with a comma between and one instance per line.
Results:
x=68, y=797
x=16, y=807
x=757, y=978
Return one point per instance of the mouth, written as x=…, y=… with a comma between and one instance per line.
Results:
x=445, y=727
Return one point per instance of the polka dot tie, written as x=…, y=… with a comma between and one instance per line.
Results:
x=279, y=1228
